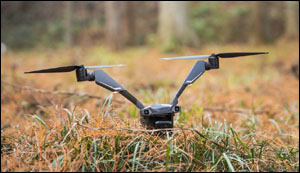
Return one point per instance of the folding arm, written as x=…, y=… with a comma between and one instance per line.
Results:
x=104, y=80
x=195, y=73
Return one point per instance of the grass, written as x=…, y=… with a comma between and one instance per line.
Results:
x=72, y=147
x=44, y=132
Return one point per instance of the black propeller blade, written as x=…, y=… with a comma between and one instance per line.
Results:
x=236, y=54
x=221, y=55
x=57, y=69
x=70, y=68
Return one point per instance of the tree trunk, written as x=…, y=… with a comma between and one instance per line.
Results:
x=292, y=20
x=174, y=24
x=129, y=22
x=113, y=18
x=258, y=14
x=262, y=23
x=68, y=23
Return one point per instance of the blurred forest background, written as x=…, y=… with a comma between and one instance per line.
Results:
x=243, y=117
x=168, y=25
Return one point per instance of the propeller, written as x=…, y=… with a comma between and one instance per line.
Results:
x=221, y=55
x=71, y=68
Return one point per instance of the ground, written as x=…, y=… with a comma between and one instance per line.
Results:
x=241, y=117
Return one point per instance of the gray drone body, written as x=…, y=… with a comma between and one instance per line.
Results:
x=156, y=116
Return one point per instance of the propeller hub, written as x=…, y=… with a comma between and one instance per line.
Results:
x=213, y=61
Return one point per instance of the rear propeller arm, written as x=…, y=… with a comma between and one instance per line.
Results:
x=201, y=66
x=104, y=80
x=198, y=69
x=99, y=76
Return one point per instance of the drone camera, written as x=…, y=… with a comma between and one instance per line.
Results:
x=147, y=112
x=176, y=109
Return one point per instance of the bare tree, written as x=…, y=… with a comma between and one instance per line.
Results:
x=259, y=19
x=292, y=20
x=113, y=18
x=68, y=23
x=174, y=23
x=129, y=22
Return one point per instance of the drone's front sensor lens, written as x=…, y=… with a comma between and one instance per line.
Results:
x=146, y=112
x=176, y=109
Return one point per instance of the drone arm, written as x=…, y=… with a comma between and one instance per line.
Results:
x=132, y=99
x=104, y=80
x=198, y=69
x=179, y=92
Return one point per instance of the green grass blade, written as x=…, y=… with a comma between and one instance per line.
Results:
x=167, y=156
x=276, y=125
x=134, y=156
x=241, y=142
x=39, y=120
x=231, y=169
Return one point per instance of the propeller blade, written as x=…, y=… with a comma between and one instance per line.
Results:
x=236, y=54
x=188, y=57
x=57, y=69
x=222, y=55
x=103, y=66
x=71, y=68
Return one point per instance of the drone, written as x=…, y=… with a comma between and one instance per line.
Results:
x=155, y=116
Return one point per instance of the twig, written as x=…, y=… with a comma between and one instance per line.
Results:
x=212, y=109
x=244, y=111
x=68, y=93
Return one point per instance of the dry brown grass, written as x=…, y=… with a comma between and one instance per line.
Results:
x=264, y=136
